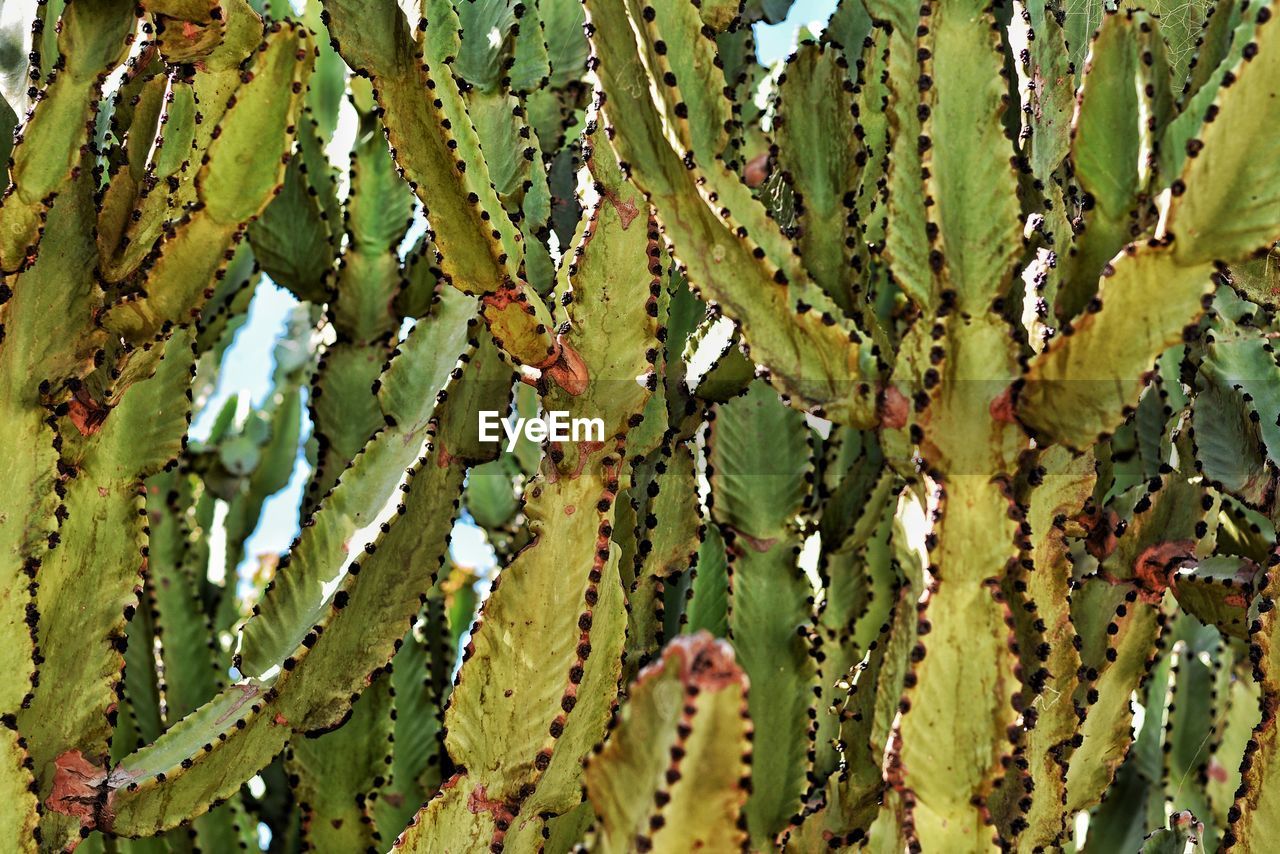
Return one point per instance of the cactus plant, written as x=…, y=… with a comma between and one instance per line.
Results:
x=934, y=504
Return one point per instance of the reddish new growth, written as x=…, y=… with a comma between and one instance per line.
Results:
x=479, y=801
x=893, y=409
x=1101, y=532
x=567, y=370
x=87, y=414
x=77, y=784
x=1002, y=408
x=757, y=170
x=1153, y=569
x=755, y=543
x=627, y=211
x=503, y=814
x=705, y=661
x=501, y=298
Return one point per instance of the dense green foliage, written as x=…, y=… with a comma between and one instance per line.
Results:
x=937, y=502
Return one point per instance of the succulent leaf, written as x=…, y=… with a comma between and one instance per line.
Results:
x=690, y=707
